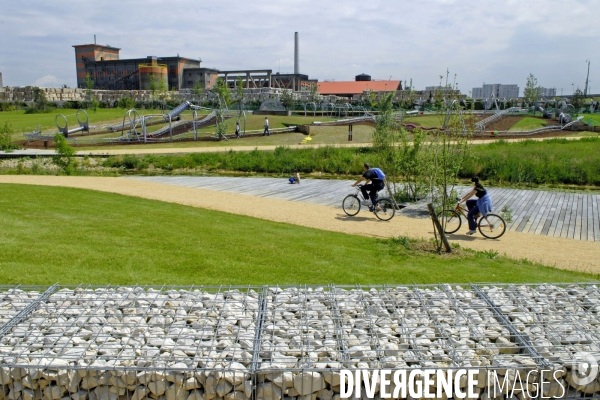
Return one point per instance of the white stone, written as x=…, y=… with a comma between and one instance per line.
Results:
x=308, y=382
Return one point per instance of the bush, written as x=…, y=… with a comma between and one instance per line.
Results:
x=6, y=132
x=126, y=103
x=64, y=154
x=7, y=106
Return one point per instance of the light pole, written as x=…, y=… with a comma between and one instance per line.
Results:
x=573, y=85
x=586, y=79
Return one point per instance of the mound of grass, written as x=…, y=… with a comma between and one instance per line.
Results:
x=528, y=123
x=52, y=234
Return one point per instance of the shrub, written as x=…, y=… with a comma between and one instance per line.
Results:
x=64, y=154
x=6, y=132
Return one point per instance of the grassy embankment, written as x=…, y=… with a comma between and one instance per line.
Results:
x=52, y=234
x=554, y=161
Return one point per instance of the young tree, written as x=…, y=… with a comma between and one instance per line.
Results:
x=287, y=99
x=239, y=92
x=153, y=87
x=532, y=91
x=6, y=132
x=221, y=89
x=577, y=99
x=64, y=154
x=39, y=99
x=89, y=94
x=198, y=89
x=313, y=93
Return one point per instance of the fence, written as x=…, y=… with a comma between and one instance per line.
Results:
x=233, y=343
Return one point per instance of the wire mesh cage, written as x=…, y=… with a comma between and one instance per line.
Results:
x=238, y=343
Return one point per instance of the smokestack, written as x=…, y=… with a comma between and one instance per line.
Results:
x=296, y=56
x=94, y=39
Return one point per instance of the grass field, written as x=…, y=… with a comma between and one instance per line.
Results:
x=528, y=123
x=24, y=123
x=52, y=234
x=425, y=120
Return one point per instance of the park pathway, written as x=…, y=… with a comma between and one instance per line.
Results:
x=566, y=215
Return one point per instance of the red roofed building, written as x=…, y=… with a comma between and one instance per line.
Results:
x=362, y=83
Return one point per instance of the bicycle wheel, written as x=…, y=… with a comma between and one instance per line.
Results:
x=492, y=226
x=351, y=205
x=384, y=209
x=451, y=220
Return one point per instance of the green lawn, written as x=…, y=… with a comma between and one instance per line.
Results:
x=528, y=123
x=64, y=235
x=323, y=135
x=425, y=120
x=24, y=123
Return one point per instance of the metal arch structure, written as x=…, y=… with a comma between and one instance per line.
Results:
x=134, y=118
x=83, y=123
x=453, y=108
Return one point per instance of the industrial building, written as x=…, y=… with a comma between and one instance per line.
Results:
x=362, y=83
x=108, y=71
x=497, y=90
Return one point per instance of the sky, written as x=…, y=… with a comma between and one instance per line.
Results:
x=474, y=41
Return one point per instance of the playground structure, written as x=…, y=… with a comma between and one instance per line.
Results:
x=186, y=120
x=174, y=125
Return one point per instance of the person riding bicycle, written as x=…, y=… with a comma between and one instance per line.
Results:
x=482, y=205
x=369, y=191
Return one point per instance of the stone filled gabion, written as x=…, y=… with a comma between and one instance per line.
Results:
x=122, y=343
x=13, y=300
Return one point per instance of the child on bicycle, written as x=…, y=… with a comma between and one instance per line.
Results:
x=482, y=205
x=369, y=191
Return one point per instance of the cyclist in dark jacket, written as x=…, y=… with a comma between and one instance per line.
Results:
x=482, y=205
x=369, y=191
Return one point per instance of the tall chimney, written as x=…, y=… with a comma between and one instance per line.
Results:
x=296, y=56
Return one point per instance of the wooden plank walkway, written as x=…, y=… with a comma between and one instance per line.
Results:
x=569, y=215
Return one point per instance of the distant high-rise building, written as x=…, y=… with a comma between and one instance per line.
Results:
x=497, y=90
x=548, y=92
x=508, y=91
x=1, y=87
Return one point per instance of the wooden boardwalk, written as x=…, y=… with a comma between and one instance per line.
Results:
x=567, y=215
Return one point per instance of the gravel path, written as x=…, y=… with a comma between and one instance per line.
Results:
x=560, y=252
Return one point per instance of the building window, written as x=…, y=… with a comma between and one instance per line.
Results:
x=190, y=82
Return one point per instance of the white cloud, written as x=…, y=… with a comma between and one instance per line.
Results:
x=48, y=81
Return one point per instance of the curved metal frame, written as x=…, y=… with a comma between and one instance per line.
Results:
x=83, y=125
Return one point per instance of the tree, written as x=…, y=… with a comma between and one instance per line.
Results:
x=221, y=89
x=89, y=94
x=6, y=132
x=287, y=99
x=239, y=91
x=532, y=91
x=313, y=93
x=64, y=154
x=198, y=89
x=577, y=99
x=39, y=99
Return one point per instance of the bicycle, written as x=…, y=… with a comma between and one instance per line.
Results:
x=491, y=226
x=383, y=208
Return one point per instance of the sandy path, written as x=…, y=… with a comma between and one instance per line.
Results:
x=562, y=253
